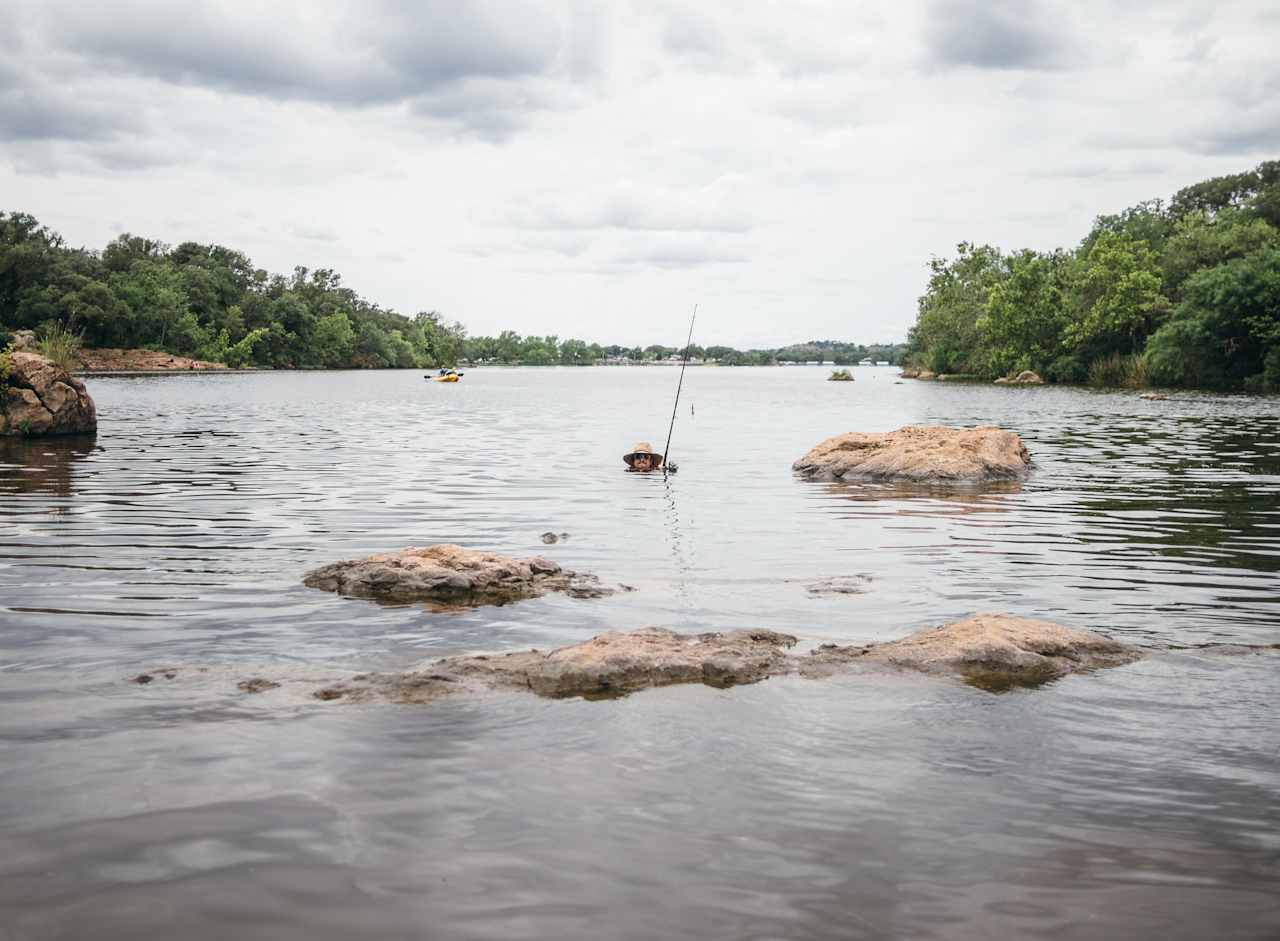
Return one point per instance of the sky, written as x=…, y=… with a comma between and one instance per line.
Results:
x=593, y=169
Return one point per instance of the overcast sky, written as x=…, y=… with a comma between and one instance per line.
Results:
x=594, y=169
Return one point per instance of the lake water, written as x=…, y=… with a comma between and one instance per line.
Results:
x=1140, y=802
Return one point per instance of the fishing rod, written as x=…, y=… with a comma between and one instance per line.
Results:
x=666, y=450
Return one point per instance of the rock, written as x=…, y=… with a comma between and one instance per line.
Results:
x=451, y=574
x=918, y=453
x=1153, y=396
x=41, y=398
x=925, y=374
x=23, y=340
x=840, y=585
x=991, y=651
x=840, y=375
x=121, y=360
x=257, y=685
x=551, y=538
x=909, y=372
x=608, y=665
x=1024, y=378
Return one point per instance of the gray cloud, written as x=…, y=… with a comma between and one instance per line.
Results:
x=459, y=63
x=986, y=35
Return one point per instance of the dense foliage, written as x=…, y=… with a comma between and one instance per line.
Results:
x=211, y=303
x=1179, y=293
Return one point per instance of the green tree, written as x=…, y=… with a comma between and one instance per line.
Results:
x=1118, y=294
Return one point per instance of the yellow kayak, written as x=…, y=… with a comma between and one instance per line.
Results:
x=449, y=378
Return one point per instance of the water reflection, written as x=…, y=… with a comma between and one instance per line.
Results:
x=42, y=465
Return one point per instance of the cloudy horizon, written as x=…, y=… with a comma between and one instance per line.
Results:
x=591, y=170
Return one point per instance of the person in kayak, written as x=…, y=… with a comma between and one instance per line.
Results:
x=641, y=458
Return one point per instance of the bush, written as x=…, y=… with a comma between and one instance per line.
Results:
x=59, y=344
x=6, y=365
x=1119, y=370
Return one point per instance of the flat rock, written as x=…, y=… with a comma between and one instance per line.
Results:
x=451, y=574
x=919, y=453
x=608, y=665
x=840, y=585
x=41, y=398
x=121, y=360
x=991, y=651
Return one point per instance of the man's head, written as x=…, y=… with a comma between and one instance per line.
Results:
x=641, y=458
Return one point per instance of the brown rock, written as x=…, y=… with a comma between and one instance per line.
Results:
x=923, y=454
x=120, y=360
x=608, y=665
x=1024, y=378
x=909, y=372
x=449, y=573
x=926, y=374
x=991, y=651
x=41, y=398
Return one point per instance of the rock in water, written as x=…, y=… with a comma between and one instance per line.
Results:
x=41, y=398
x=1024, y=378
x=991, y=651
x=451, y=574
x=608, y=665
x=919, y=453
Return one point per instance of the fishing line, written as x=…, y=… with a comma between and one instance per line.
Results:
x=666, y=450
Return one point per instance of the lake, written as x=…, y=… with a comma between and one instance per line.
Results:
x=1139, y=802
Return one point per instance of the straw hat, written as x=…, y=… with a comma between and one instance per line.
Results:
x=642, y=447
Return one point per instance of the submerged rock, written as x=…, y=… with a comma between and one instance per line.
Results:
x=608, y=665
x=991, y=651
x=923, y=454
x=840, y=585
x=41, y=398
x=450, y=573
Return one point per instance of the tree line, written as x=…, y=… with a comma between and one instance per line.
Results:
x=1184, y=292
x=210, y=302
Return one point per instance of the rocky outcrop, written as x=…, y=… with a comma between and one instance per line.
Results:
x=451, y=574
x=118, y=360
x=607, y=666
x=41, y=398
x=1024, y=378
x=920, y=454
x=991, y=651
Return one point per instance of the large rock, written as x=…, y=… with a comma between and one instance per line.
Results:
x=991, y=651
x=994, y=652
x=606, y=666
x=135, y=360
x=41, y=398
x=921, y=454
x=451, y=574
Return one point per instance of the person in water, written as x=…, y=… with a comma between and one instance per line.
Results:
x=642, y=459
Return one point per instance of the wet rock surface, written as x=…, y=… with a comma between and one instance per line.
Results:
x=41, y=398
x=606, y=666
x=994, y=652
x=921, y=454
x=839, y=585
x=451, y=574
x=991, y=651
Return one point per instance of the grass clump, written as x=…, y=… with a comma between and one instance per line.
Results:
x=1120, y=371
x=59, y=344
x=840, y=375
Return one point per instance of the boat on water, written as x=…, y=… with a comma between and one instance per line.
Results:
x=445, y=375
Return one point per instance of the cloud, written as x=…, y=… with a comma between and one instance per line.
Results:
x=985, y=35
x=642, y=208
x=463, y=64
